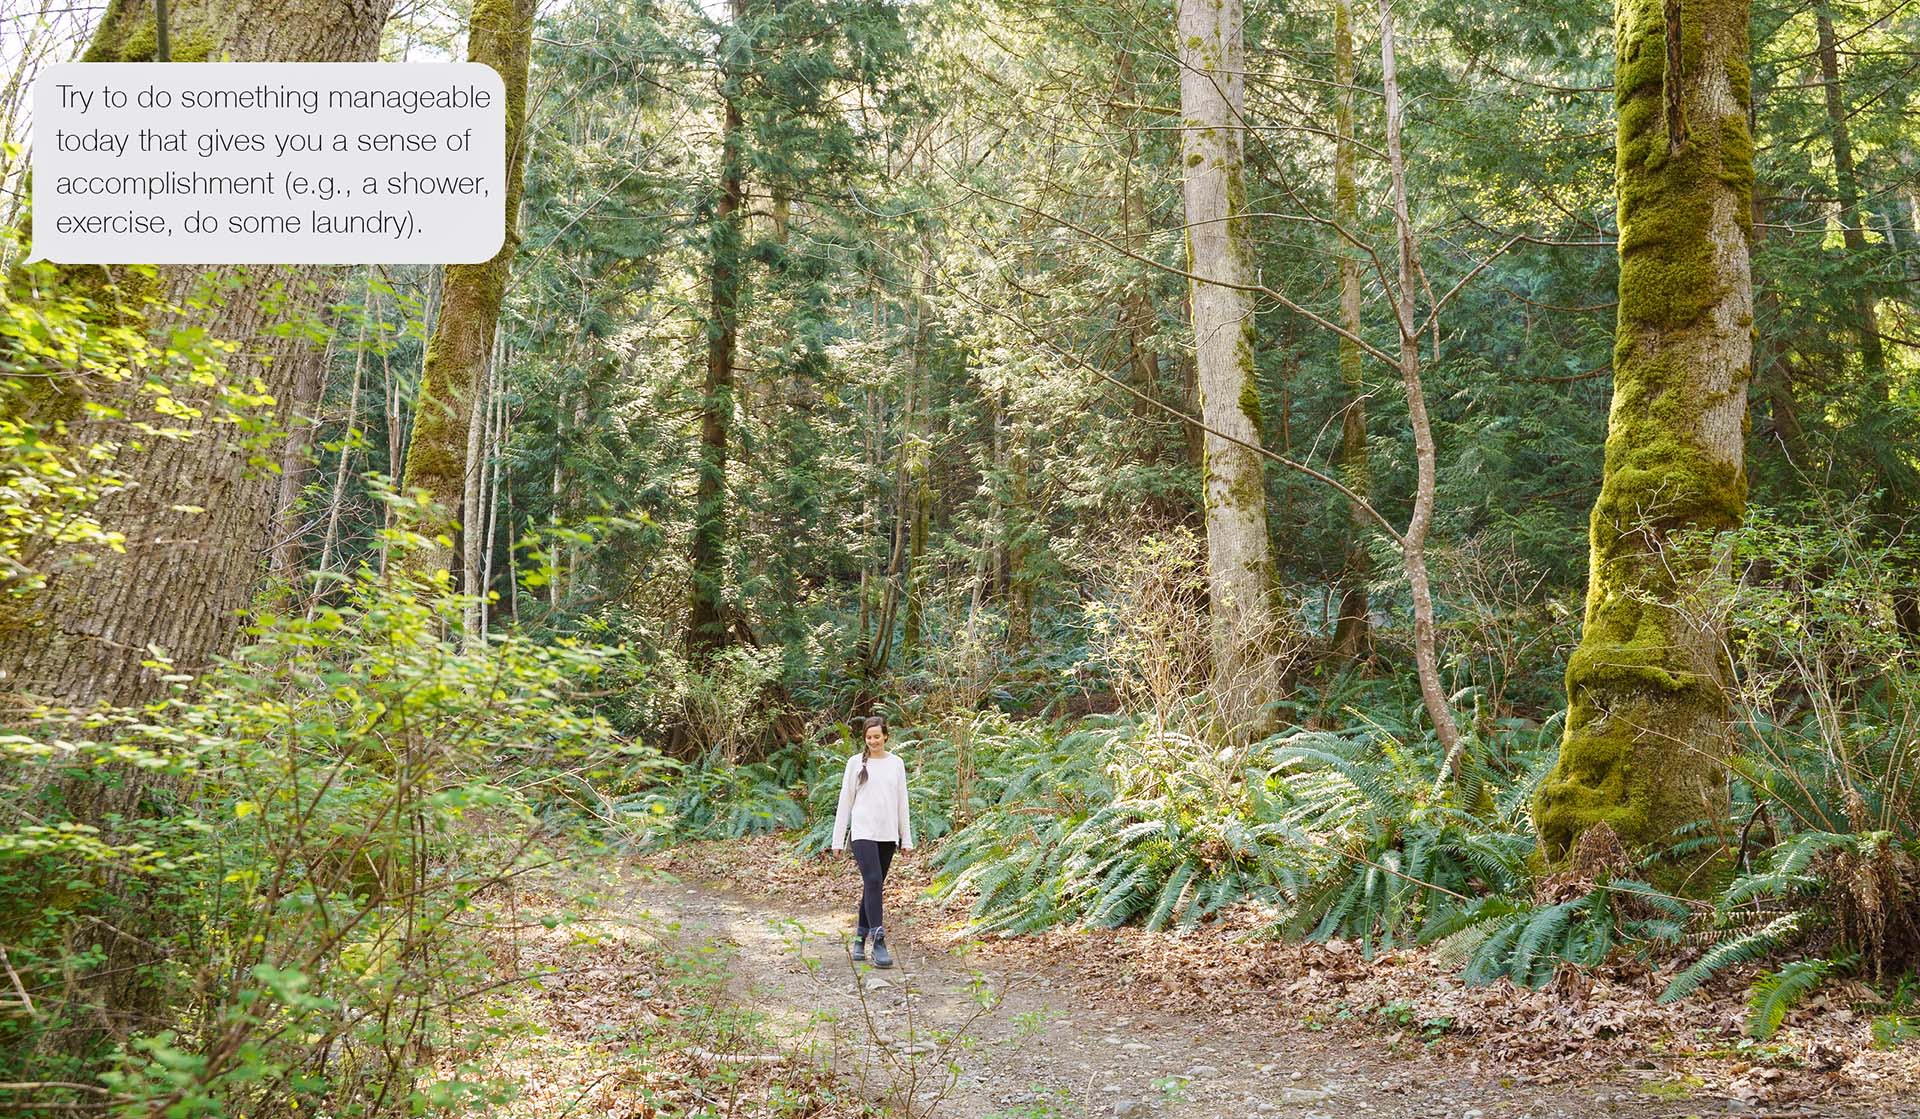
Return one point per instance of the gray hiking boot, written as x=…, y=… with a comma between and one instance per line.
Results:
x=881, y=957
x=859, y=944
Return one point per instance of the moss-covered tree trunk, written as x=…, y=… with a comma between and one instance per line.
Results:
x=1647, y=721
x=706, y=618
x=1239, y=564
x=499, y=34
x=199, y=514
x=1352, y=634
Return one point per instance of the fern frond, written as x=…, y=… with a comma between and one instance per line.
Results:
x=1171, y=894
x=1741, y=949
x=1775, y=993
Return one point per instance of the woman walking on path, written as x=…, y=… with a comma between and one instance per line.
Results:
x=874, y=817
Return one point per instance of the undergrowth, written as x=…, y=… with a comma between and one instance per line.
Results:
x=1355, y=827
x=256, y=895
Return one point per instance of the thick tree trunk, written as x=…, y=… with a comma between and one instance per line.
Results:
x=199, y=515
x=1239, y=567
x=1647, y=720
x=441, y=455
x=707, y=630
x=1353, y=633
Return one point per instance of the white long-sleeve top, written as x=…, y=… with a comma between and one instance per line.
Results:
x=877, y=810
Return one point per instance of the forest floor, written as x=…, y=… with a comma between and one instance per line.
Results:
x=1123, y=1024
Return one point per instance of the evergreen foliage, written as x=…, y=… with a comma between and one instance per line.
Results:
x=953, y=476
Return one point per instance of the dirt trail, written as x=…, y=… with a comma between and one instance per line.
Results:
x=1048, y=1046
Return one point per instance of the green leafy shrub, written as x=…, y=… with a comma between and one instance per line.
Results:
x=252, y=896
x=1891, y=1031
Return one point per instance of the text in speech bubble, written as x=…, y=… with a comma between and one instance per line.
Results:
x=269, y=163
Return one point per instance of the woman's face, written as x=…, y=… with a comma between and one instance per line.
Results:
x=876, y=738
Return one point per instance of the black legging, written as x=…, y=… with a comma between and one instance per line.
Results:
x=874, y=857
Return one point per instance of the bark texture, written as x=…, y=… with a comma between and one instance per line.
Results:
x=441, y=454
x=1647, y=721
x=1352, y=634
x=1239, y=563
x=198, y=515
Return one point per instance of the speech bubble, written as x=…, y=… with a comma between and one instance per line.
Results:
x=269, y=163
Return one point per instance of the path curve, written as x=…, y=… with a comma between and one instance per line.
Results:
x=974, y=1040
